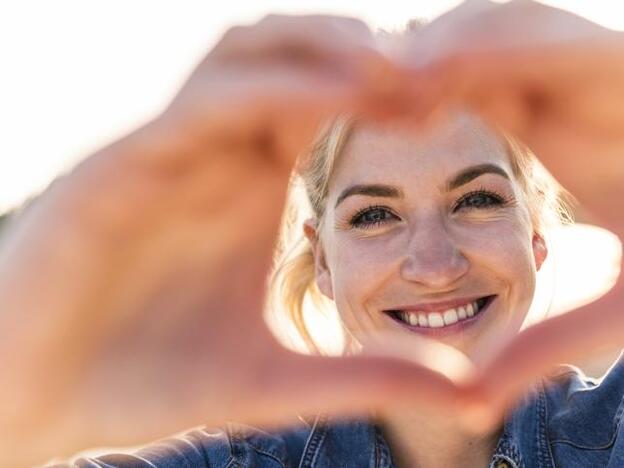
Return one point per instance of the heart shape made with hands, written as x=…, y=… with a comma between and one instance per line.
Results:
x=520, y=65
x=173, y=235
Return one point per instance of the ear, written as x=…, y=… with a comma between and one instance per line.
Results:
x=540, y=251
x=322, y=273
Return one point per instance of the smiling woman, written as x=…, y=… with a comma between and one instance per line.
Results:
x=132, y=290
x=474, y=182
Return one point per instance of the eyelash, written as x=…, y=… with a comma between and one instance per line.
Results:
x=496, y=199
x=353, y=222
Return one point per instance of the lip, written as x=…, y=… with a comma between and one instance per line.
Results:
x=439, y=306
x=447, y=330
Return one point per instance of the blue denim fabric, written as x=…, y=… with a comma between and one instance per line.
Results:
x=567, y=420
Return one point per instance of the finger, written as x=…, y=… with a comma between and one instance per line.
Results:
x=346, y=386
x=338, y=45
x=304, y=38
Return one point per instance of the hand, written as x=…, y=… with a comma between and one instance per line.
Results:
x=554, y=80
x=131, y=291
x=547, y=76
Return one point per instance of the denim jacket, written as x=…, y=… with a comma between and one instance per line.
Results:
x=567, y=420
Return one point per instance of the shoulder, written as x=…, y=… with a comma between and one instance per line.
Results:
x=235, y=445
x=582, y=411
x=572, y=420
x=320, y=442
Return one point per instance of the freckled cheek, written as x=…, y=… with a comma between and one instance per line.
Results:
x=360, y=268
x=505, y=251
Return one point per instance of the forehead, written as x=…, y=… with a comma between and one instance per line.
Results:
x=397, y=153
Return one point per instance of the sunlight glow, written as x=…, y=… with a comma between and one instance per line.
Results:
x=583, y=264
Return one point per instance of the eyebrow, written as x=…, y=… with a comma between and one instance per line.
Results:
x=370, y=190
x=470, y=173
x=388, y=191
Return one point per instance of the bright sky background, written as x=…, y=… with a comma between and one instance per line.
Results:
x=78, y=73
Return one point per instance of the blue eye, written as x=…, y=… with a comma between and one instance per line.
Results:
x=481, y=199
x=371, y=217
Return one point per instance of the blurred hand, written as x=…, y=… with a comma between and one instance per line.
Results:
x=556, y=81
x=547, y=76
x=132, y=290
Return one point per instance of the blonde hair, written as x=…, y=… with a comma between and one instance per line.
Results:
x=293, y=279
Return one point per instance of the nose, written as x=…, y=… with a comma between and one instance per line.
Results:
x=433, y=257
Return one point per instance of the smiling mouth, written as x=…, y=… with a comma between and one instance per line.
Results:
x=443, y=318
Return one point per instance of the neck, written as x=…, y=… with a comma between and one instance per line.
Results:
x=421, y=439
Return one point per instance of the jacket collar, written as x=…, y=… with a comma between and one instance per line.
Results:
x=345, y=443
x=523, y=441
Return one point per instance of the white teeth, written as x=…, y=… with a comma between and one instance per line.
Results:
x=450, y=317
x=436, y=320
x=439, y=319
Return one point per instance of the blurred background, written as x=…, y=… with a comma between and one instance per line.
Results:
x=77, y=74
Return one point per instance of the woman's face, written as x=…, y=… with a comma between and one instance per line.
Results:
x=428, y=234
